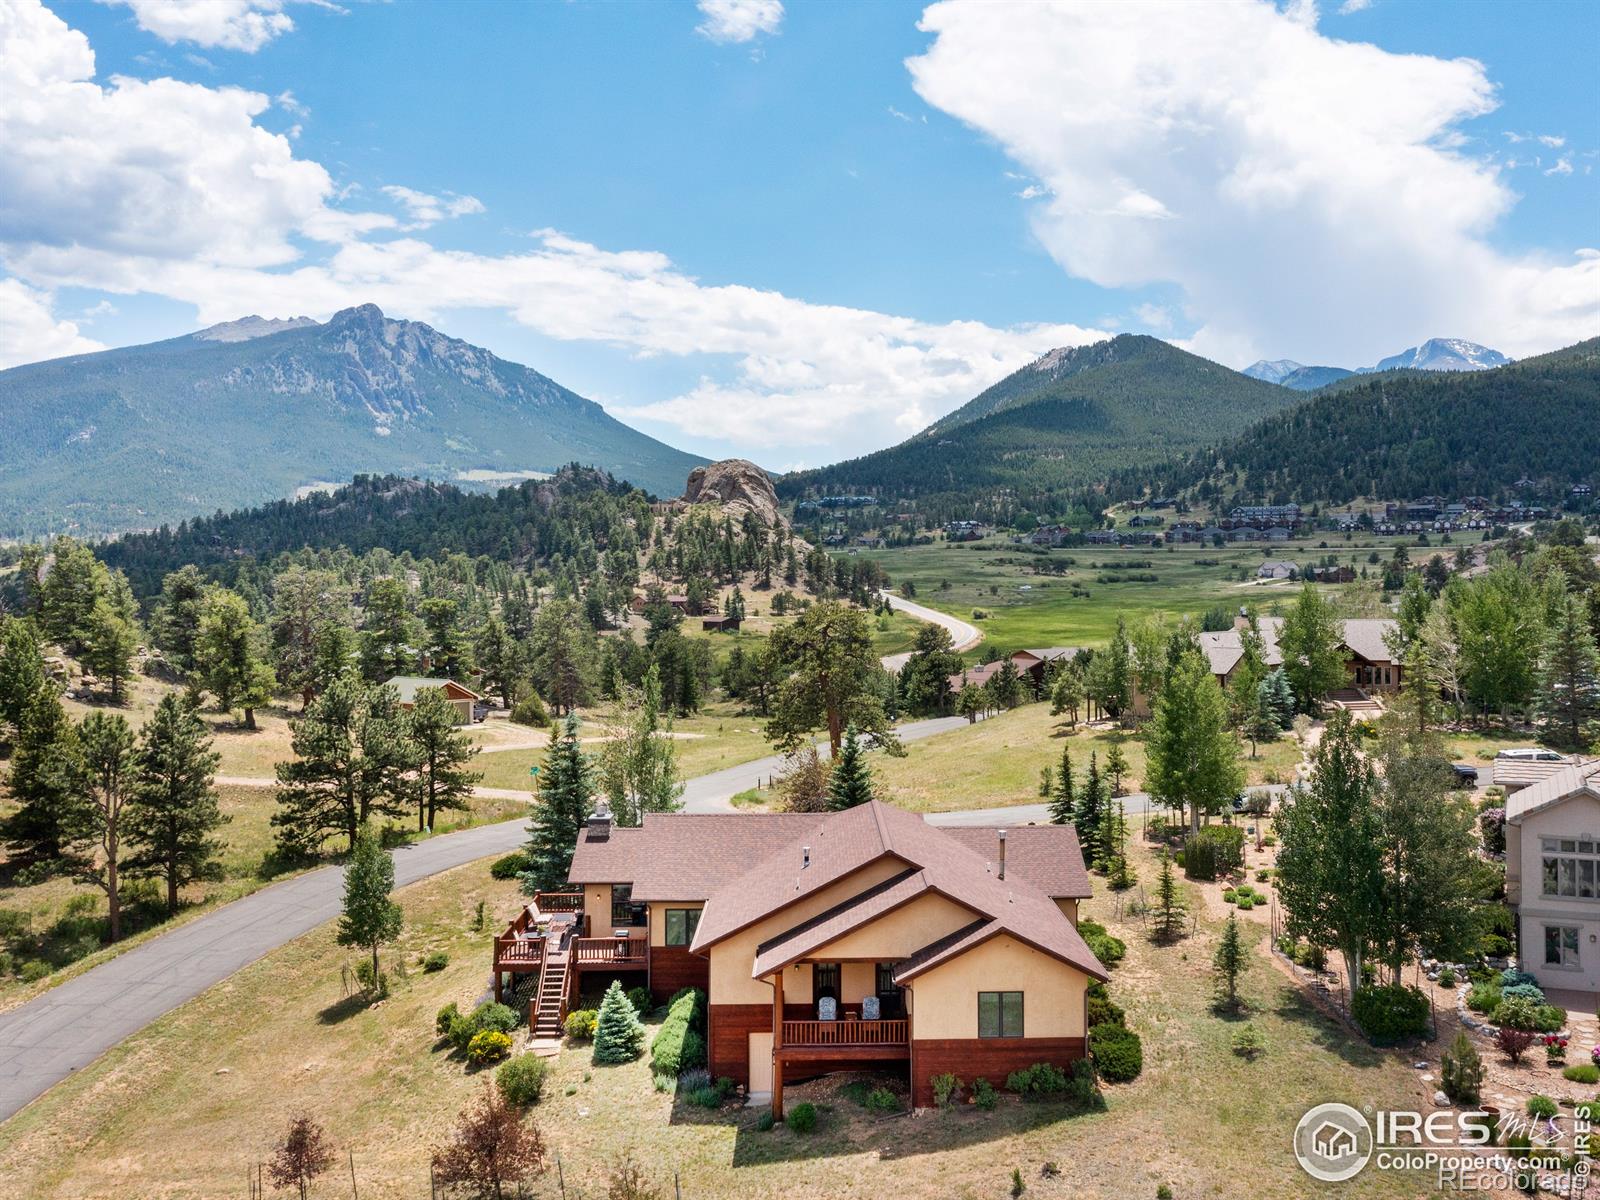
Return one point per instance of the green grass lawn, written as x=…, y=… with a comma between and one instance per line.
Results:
x=187, y=1106
x=1029, y=609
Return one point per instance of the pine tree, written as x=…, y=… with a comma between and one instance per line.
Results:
x=109, y=640
x=1116, y=767
x=1064, y=803
x=1121, y=876
x=618, y=1035
x=443, y=781
x=850, y=782
x=1169, y=904
x=566, y=795
x=21, y=675
x=1569, y=679
x=388, y=633
x=352, y=759
x=1231, y=961
x=43, y=782
x=230, y=655
x=96, y=826
x=1279, y=695
x=1086, y=817
x=173, y=809
x=371, y=917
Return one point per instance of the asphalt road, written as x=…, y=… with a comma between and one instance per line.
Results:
x=964, y=635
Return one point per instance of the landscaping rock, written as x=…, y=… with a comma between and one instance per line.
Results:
x=1440, y=1100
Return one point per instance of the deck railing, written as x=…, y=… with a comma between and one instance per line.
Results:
x=558, y=902
x=517, y=952
x=846, y=1033
x=613, y=951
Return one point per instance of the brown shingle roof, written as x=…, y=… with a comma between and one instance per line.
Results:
x=792, y=944
x=1047, y=856
x=685, y=856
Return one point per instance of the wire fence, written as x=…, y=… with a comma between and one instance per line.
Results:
x=551, y=1184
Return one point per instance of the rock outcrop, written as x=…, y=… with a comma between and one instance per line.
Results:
x=737, y=486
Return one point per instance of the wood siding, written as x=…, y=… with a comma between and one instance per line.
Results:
x=673, y=967
x=989, y=1058
x=729, y=1027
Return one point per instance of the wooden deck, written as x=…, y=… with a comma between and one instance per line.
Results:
x=611, y=953
x=545, y=927
x=845, y=1039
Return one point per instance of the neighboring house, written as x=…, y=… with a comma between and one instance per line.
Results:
x=1553, y=876
x=461, y=698
x=1276, y=570
x=972, y=676
x=1368, y=659
x=1516, y=770
x=720, y=624
x=830, y=941
x=1033, y=664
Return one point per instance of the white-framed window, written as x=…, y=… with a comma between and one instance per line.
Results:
x=1571, y=866
x=1561, y=946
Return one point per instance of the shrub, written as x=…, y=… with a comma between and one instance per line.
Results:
x=1041, y=1081
x=522, y=1079
x=765, y=1122
x=1541, y=1107
x=1117, y=1052
x=618, y=1036
x=1249, y=1043
x=1521, y=1013
x=7, y=963
x=580, y=1023
x=983, y=1094
x=1109, y=950
x=1102, y=1010
x=1447, y=977
x=1215, y=850
x=1017, y=1186
x=34, y=970
x=530, y=710
x=488, y=1045
x=1388, y=1014
x=1484, y=997
x=498, y=1018
x=679, y=1044
x=639, y=997
x=882, y=1100
x=1582, y=1073
x=704, y=1097
x=510, y=866
x=1461, y=1070
x=448, y=1016
x=945, y=1086
x=1229, y=895
x=1247, y=902
x=1082, y=1087
x=435, y=960
x=373, y=982
x=1522, y=991
x=1511, y=977
x=1263, y=874
x=1513, y=1043
x=802, y=1118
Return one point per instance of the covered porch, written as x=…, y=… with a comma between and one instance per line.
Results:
x=831, y=1019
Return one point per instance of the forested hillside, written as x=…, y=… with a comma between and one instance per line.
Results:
x=1411, y=434
x=1064, y=422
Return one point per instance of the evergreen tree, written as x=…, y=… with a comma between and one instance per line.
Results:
x=1091, y=806
x=96, y=824
x=230, y=655
x=1110, y=683
x=830, y=679
x=1121, y=875
x=442, y=752
x=307, y=607
x=1569, y=677
x=563, y=656
x=175, y=624
x=1116, y=767
x=444, y=642
x=1231, y=961
x=1310, y=640
x=22, y=678
x=1169, y=909
x=109, y=639
x=970, y=702
x=388, y=632
x=371, y=917
x=173, y=810
x=566, y=796
x=1063, y=801
x=498, y=659
x=1279, y=696
x=1007, y=685
x=925, y=679
x=850, y=782
x=618, y=1034
x=352, y=758
x=44, y=782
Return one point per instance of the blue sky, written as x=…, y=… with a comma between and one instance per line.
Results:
x=801, y=232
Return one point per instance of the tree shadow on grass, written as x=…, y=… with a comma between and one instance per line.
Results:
x=343, y=1010
x=1295, y=1009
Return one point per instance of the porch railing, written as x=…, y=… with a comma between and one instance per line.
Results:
x=846, y=1033
x=558, y=902
x=610, y=951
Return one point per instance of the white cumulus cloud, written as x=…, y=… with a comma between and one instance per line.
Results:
x=30, y=331
x=245, y=25
x=425, y=209
x=1302, y=191
x=738, y=20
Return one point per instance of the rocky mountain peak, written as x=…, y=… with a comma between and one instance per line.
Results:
x=738, y=486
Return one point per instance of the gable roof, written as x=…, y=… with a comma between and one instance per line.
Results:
x=684, y=856
x=1363, y=636
x=1580, y=779
x=831, y=924
x=1047, y=856
x=409, y=685
x=845, y=842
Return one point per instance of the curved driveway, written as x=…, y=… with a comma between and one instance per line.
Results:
x=963, y=634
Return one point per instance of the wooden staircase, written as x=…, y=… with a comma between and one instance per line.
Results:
x=549, y=1007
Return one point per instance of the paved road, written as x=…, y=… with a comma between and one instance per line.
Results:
x=68, y=1027
x=963, y=634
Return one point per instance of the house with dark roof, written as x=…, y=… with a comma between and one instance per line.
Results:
x=832, y=941
x=1371, y=665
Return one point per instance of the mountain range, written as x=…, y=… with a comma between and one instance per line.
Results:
x=1435, y=354
x=256, y=409
x=1067, y=419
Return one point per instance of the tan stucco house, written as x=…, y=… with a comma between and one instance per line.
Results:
x=831, y=940
x=1553, y=876
x=461, y=698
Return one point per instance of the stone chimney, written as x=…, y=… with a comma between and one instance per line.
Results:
x=1002, y=854
x=598, y=826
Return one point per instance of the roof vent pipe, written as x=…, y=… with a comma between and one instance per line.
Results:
x=1002, y=854
x=805, y=857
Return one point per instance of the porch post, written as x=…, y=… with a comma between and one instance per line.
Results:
x=777, y=1045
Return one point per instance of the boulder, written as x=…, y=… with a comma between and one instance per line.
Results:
x=737, y=486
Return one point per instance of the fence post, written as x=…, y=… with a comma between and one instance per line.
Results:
x=356, y=1195
x=561, y=1177
x=677, y=1191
